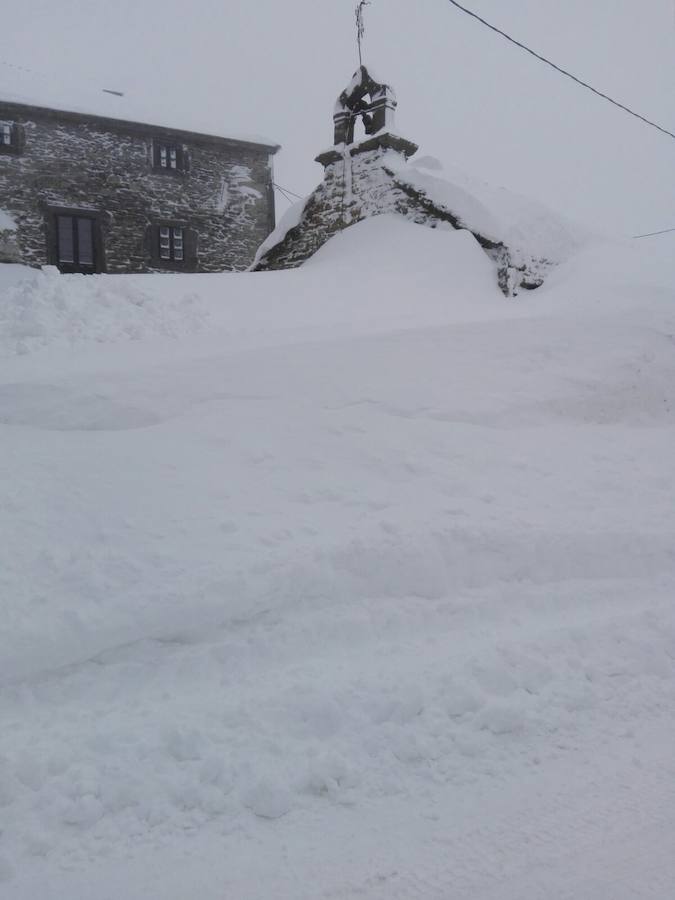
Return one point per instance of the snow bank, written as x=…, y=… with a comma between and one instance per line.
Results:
x=524, y=225
x=289, y=220
x=364, y=589
x=41, y=308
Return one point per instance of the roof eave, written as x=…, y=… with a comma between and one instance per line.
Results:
x=133, y=126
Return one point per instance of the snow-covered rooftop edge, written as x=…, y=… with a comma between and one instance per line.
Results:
x=290, y=219
x=527, y=227
x=498, y=213
x=29, y=89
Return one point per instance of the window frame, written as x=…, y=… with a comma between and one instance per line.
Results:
x=156, y=233
x=169, y=156
x=13, y=129
x=53, y=213
x=173, y=251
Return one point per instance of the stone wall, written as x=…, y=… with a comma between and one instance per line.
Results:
x=353, y=188
x=360, y=182
x=224, y=199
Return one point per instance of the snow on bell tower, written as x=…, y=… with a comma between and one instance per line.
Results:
x=374, y=103
x=372, y=176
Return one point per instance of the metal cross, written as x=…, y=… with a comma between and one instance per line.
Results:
x=360, y=25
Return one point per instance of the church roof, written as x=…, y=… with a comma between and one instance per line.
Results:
x=496, y=213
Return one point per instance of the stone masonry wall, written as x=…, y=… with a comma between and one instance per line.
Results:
x=365, y=185
x=355, y=188
x=225, y=200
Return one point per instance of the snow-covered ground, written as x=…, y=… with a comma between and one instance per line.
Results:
x=354, y=581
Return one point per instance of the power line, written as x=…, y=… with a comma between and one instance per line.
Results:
x=653, y=233
x=287, y=191
x=559, y=69
x=288, y=199
x=285, y=195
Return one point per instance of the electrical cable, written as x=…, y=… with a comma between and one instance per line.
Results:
x=286, y=197
x=561, y=70
x=287, y=191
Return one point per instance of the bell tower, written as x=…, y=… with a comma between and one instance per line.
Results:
x=375, y=104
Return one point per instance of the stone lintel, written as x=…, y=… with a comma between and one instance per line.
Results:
x=385, y=141
x=328, y=157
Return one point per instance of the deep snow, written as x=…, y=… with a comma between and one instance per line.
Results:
x=350, y=581
x=534, y=235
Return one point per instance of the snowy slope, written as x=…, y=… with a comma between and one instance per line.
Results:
x=528, y=228
x=350, y=581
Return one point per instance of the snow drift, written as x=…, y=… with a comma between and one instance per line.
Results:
x=352, y=580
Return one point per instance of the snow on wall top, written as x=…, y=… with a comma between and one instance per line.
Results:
x=32, y=89
x=363, y=75
x=291, y=218
x=495, y=212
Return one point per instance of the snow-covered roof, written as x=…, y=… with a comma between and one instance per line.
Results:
x=290, y=219
x=28, y=88
x=496, y=213
x=522, y=235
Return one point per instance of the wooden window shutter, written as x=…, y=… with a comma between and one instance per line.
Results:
x=18, y=137
x=190, y=241
x=152, y=242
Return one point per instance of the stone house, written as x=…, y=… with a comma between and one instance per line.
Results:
x=369, y=172
x=94, y=193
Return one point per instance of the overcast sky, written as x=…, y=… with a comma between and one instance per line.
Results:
x=275, y=67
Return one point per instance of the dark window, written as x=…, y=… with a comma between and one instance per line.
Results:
x=169, y=157
x=75, y=244
x=66, y=239
x=171, y=243
x=85, y=242
x=11, y=137
x=172, y=246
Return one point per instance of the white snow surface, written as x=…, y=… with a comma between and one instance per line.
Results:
x=289, y=220
x=524, y=225
x=352, y=581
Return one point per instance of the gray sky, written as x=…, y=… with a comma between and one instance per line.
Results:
x=275, y=67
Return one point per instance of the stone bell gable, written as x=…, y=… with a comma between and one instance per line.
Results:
x=372, y=176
